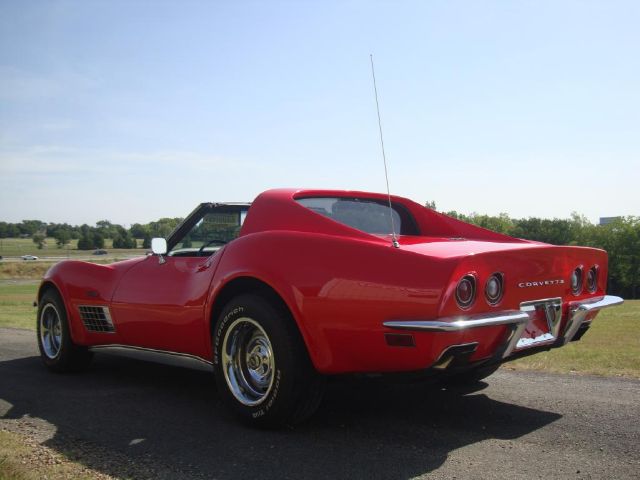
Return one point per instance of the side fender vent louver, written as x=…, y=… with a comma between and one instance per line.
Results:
x=96, y=319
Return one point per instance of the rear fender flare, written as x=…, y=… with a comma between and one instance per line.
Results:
x=245, y=282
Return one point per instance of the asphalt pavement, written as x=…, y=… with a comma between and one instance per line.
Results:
x=131, y=416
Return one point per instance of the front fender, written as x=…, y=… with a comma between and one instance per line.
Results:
x=84, y=283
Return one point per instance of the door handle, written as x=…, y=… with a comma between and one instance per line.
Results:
x=204, y=266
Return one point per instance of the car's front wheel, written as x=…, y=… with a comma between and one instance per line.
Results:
x=262, y=369
x=57, y=350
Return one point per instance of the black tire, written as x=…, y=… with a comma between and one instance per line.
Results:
x=472, y=376
x=274, y=386
x=62, y=355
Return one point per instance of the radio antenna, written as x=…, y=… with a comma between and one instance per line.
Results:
x=394, y=238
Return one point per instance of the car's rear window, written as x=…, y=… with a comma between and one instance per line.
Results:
x=368, y=215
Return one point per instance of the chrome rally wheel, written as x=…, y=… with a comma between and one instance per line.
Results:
x=248, y=362
x=57, y=349
x=262, y=369
x=50, y=331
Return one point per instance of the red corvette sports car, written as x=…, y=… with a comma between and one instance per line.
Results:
x=302, y=284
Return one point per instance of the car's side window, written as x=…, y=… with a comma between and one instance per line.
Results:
x=209, y=234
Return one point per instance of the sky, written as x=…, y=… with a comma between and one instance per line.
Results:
x=131, y=110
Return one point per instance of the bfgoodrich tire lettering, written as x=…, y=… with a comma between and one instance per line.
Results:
x=262, y=369
x=57, y=350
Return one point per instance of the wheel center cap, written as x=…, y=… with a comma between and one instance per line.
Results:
x=254, y=362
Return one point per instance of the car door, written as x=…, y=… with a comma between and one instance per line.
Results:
x=160, y=303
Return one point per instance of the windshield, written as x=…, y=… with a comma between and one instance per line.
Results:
x=367, y=215
x=213, y=230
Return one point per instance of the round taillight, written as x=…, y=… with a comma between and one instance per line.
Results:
x=494, y=288
x=466, y=291
x=576, y=281
x=592, y=279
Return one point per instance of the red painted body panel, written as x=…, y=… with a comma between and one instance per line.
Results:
x=162, y=306
x=82, y=283
x=340, y=304
x=340, y=284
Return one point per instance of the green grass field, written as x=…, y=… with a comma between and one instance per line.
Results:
x=35, y=270
x=12, y=267
x=16, y=304
x=16, y=247
x=611, y=347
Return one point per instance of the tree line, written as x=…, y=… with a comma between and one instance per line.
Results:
x=620, y=238
x=89, y=237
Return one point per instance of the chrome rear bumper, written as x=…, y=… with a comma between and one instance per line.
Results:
x=462, y=322
x=516, y=320
x=578, y=312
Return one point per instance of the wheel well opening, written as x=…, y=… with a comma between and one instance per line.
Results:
x=242, y=285
x=45, y=287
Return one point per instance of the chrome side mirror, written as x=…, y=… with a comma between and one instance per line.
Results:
x=159, y=246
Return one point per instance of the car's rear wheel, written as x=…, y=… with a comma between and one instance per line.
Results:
x=262, y=368
x=57, y=350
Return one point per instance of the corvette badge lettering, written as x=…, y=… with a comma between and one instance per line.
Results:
x=542, y=283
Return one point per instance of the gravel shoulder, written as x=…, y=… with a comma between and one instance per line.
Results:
x=128, y=417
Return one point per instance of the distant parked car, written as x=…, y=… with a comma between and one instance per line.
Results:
x=29, y=257
x=0, y=257
x=100, y=252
